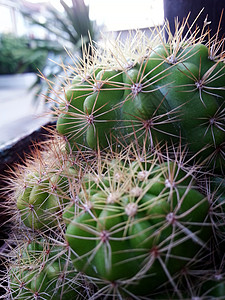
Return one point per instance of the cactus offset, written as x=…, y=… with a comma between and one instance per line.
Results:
x=43, y=271
x=41, y=185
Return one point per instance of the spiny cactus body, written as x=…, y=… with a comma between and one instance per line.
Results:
x=131, y=223
x=41, y=185
x=42, y=271
x=43, y=198
x=136, y=223
x=166, y=92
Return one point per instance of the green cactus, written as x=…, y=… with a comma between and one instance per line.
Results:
x=41, y=187
x=175, y=91
x=43, y=271
x=137, y=222
x=216, y=190
x=126, y=200
x=213, y=288
x=203, y=283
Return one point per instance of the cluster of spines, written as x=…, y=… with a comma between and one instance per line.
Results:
x=106, y=179
x=41, y=269
x=103, y=102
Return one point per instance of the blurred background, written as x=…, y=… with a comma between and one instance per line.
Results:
x=35, y=33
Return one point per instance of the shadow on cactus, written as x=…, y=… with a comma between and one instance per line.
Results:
x=164, y=91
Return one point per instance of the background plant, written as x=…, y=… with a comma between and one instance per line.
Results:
x=72, y=29
x=18, y=55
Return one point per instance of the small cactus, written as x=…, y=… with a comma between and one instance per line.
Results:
x=41, y=185
x=43, y=271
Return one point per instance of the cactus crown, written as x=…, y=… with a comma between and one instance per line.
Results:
x=153, y=93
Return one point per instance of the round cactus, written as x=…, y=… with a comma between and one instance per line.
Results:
x=41, y=201
x=136, y=222
x=166, y=92
x=43, y=271
x=41, y=186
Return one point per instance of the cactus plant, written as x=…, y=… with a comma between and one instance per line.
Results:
x=41, y=185
x=166, y=91
x=43, y=271
x=137, y=221
x=126, y=200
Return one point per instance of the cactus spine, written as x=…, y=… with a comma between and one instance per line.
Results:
x=172, y=90
x=135, y=221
